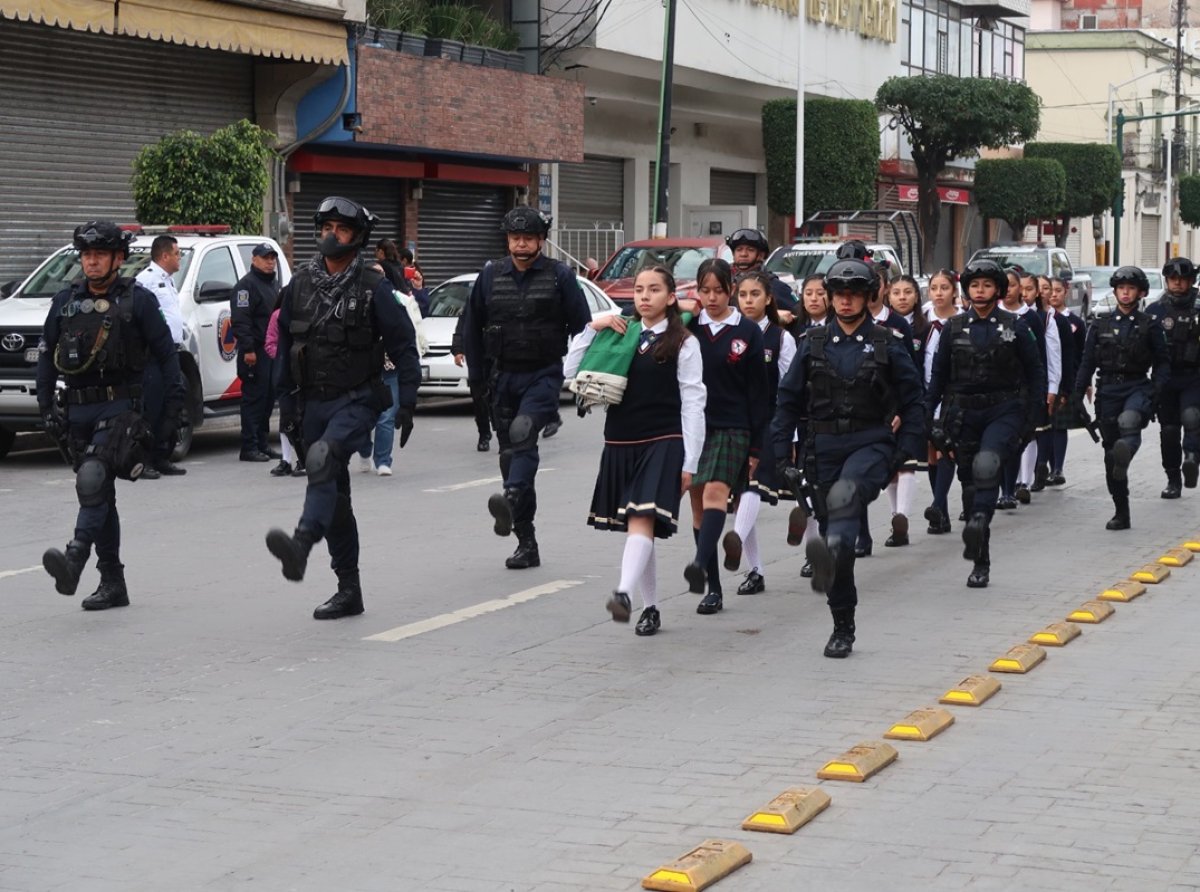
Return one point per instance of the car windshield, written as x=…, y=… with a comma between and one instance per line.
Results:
x=1155, y=277
x=1100, y=275
x=449, y=299
x=682, y=262
x=63, y=269
x=1031, y=261
x=799, y=263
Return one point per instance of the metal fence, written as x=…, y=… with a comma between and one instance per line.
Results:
x=577, y=246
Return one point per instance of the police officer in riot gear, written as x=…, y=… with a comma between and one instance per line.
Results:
x=1124, y=346
x=1178, y=313
x=989, y=378
x=337, y=319
x=520, y=313
x=750, y=249
x=852, y=381
x=96, y=336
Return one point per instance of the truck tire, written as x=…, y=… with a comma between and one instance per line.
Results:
x=193, y=410
x=7, y=438
x=186, y=432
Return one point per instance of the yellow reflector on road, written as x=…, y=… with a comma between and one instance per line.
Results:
x=860, y=762
x=1090, y=612
x=1125, y=590
x=1055, y=634
x=1176, y=557
x=974, y=690
x=1151, y=574
x=699, y=868
x=1192, y=545
x=921, y=724
x=1019, y=659
x=789, y=811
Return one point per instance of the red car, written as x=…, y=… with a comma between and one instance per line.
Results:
x=682, y=256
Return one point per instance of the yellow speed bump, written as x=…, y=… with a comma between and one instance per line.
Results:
x=1192, y=545
x=789, y=811
x=1176, y=557
x=974, y=690
x=1055, y=634
x=921, y=724
x=1126, y=590
x=1090, y=612
x=1019, y=659
x=1151, y=574
x=860, y=762
x=710, y=861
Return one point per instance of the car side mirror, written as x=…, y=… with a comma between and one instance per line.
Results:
x=593, y=273
x=8, y=288
x=210, y=292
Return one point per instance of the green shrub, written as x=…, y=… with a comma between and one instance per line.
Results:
x=1018, y=190
x=1093, y=178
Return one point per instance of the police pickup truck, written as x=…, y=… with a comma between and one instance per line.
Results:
x=211, y=262
x=1044, y=260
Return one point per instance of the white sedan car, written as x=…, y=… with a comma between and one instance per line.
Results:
x=439, y=375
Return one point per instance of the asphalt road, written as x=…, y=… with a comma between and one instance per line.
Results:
x=212, y=736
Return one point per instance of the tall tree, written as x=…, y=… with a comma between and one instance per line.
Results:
x=1093, y=177
x=948, y=117
x=1017, y=190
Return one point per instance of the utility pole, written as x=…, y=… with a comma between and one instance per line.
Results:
x=1177, y=132
x=662, y=168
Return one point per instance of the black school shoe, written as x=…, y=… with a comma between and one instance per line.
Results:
x=753, y=584
x=712, y=603
x=618, y=605
x=648, y=623
x=732, y=543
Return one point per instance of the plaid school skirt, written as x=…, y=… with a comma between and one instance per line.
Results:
x=724, y=459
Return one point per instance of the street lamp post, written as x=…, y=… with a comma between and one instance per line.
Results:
x=1112, y=96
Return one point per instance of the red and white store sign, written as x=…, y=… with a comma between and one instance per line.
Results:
x=947, y=194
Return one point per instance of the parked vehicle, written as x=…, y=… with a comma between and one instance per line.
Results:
x=1042, y=260
x=211, y=262
x=439, y=375
x=1103, y=302
x=793, y=263
x=682, y=256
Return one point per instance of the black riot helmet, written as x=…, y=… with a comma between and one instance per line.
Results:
x=855, y=276
x=1130, y=275
x=102, y=235
x=526, y=220
x=343, y=210
x=855, y=249
x=751, y=237
x=984, y=269
x=1179, y=267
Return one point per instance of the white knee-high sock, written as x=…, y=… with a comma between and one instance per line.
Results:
x=1028, y=462
x=638, y=550
x=285, y=446
x=649, y=581
x=811, y=530
x=744, y=525
x=892, y=494
x=906, y=492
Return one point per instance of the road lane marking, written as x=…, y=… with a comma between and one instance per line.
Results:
x=449, y=619
x=482, y=481
x=4, y=574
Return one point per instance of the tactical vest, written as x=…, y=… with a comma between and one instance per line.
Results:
x=865, y=400
x=1130, y=356
x=335, y=347
x=98, y=340
x=526, y=328
x=1183, y=332
x=995, y=366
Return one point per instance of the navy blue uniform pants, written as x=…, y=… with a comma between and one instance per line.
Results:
x=522, y=404
x=1111, y=401
x=98, y=524
x=154, y=398
x=1181, y=393
x=996, y=429
x=256, y=402
x=345, y=425
x=863, y=461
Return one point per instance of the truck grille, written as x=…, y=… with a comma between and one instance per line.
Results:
x=18, y=352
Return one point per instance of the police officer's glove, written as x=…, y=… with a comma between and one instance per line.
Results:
x=168, y=428
x=53, y=422
x=404, y=422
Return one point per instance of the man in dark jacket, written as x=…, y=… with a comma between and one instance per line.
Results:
x=250, y=309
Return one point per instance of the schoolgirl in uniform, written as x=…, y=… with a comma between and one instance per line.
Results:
x=1055, y=361
x=815, y=303
x=941, y=308
x=652, y=439
x=904, y=297
x=1014, y=303
x=1073, y=333
x=1030, y=310
x=757, y=304
x=736, y=414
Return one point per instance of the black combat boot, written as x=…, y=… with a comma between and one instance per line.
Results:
x=501, y=507
x=1191, y=470
x=346, y=601
x=1174, y=487
x=981, y=571
x=841, y=642
x=292, y=551
x=974, y=535
x=821, y=560
x=526, y=555
x=112, y=591
x=1120, y=497
x=66, y=566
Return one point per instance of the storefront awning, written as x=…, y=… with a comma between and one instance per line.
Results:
x=236, y=29
x=79, y=15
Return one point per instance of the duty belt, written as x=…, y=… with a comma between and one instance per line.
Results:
x=84, y=396
x=326, y=392
x=843, y=426
x=983, y=400
x=1121, y=378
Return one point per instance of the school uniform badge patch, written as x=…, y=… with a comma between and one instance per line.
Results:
x=736, y=348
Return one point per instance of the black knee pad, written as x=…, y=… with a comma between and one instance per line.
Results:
x=1129, y=422
x=522, y=433
x=91, y=483
x=1191, y=419
x=842, y=500
x=985, y=469
x=319, y=463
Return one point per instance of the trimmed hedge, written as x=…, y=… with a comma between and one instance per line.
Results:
x=1017, y=190
x=1189, y=200
x=841, y=154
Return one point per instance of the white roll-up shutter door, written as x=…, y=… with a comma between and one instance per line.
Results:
x=77, y=107
x=459, y=228
x=1152, y=245
x=591, y=194
x=731, y=187
x=382, y=196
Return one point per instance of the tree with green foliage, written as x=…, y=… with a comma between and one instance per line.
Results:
x=1093, y=178
x=841, y=154
x=947, y=117
x=1017, y=190
x=186, y=178
x=1189, y=200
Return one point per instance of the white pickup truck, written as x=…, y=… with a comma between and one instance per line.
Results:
x=211, y=262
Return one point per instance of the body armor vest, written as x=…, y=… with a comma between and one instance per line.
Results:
x=1182, y=325
x=335, y=347
x=1130, y=356
x=98, y=340
x=526, y=329
x=864, y=400
x=995, y=366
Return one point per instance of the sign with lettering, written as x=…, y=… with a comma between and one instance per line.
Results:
x=873, y=19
